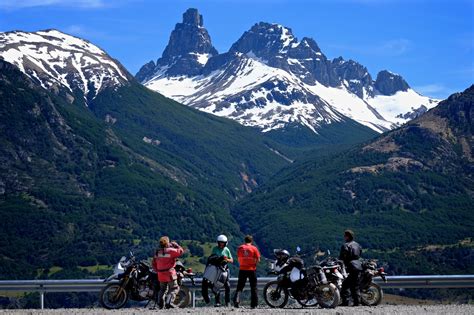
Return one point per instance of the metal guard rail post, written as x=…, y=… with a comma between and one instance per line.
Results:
x=95, y=285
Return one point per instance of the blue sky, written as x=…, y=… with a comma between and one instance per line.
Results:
x=429, y=42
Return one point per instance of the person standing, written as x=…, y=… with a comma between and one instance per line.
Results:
x=223, y=256
x=350, y=254
x=248, y=257
x=164, y=263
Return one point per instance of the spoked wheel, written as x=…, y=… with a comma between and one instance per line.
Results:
x=113, y=296
x=274, y=295
x=372, y=295
x=183, y=297
x=310, y=301
x=328, y=296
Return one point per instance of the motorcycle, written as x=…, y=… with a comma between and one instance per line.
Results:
x=371, y=294
x=137, y=281
x=334, y=270
x=308, y=286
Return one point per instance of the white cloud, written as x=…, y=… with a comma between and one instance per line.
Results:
x=429, y=89
x=394, y=47
x=21, y=4
x=436, y=90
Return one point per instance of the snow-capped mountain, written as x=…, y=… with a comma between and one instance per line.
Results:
x=55, y=59
x=269, y=79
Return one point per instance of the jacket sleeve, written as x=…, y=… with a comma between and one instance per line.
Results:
x=153, y=264
x=343, y=253
x=257, y=254
x=175, y=252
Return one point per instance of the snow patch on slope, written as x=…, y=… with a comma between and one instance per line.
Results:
x=217, y=93
x=52, y=57
x=399, y=107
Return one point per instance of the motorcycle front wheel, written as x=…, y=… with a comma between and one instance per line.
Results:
x=113, y=296
x=328, y=296
x=372, y=295
x=274, y=295
x=183, y=297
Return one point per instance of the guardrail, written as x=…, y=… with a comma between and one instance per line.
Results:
x=95, y=285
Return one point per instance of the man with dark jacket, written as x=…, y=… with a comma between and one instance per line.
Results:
x=350, y=254
x=248, y=256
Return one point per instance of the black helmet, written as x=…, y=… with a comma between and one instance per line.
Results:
x=281, y=254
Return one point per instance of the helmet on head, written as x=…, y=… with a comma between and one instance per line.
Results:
x=281, y=254
x=222, y=238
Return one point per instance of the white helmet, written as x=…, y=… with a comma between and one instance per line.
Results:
x=222, y=238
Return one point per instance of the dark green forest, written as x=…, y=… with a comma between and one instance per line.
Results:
x=82, y=183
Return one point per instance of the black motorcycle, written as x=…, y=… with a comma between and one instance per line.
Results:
x=308, y=286
x=371, y=294
x=137, y=281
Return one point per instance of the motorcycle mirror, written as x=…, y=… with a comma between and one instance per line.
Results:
x=298, y=249
x=329, y=252
x=131, y=254
x=123, y=259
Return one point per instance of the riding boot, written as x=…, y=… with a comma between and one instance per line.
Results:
x=237, y=298
x=218, y=299
x=205, y=291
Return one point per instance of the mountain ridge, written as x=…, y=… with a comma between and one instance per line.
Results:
x=344, y=86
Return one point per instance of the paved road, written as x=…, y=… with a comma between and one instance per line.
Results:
x=384, y=309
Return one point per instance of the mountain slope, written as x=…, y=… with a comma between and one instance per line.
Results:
x=87, y=176
x=270, y=80
x=409, y=187
x=54, y=59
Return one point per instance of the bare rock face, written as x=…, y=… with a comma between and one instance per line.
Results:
x=187, y=51
x=389, y=83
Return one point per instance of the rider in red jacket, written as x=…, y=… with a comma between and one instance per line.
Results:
x=164, y=263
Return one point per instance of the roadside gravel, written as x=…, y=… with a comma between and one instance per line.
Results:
x=384, y=309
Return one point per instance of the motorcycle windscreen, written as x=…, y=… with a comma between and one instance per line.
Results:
x=118, y=269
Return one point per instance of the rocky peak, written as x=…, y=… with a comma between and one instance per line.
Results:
x=265, y=41
x=192, y=17
x=145, y=70
x=389, y=83
x=189, y=37
x=354, y=76
x=187, y=52
x=305, y=49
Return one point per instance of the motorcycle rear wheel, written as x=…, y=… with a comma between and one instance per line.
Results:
x=113, y=296
x=183, y=297
x=372, y=295
x=274, y=296
x=328, y=296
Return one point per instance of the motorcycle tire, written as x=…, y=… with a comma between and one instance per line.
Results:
x=183, y=298
x=273, y=297
x=328, y=296
x=372, y=295
x=119, y=296
x=310, y=302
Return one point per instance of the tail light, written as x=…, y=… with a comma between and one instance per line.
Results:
x=334, y=269
x=381, y=270
x=190, y=270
